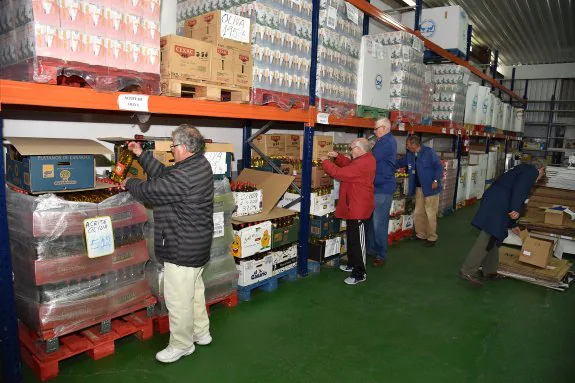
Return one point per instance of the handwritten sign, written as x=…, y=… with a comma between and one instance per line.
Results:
x=248, y=203
x=323, y=118
x=332, y=247
x=352, y=13
x=219, y=225
x=234, y=27
x=99, y=236
x=133, y=102
x=218, y=162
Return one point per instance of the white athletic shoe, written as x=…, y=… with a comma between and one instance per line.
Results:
x=171, y=354
x=354, y=280
x=203, y=340
x=346, y=268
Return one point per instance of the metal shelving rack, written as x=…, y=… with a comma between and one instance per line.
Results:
x=18, y=95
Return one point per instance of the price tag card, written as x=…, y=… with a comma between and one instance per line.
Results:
x=99, y=236
x=133, y=102
x=352, y=13
x=451, y=131
x=443, y=130
x=331, y=21
x=219, y=225
x=401, y=126
x=234, y=27
x=323, y=118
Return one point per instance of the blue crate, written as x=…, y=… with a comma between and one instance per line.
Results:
x=430, y=56
x=314, y=267
x=270, y=284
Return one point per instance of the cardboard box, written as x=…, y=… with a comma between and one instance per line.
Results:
x=319, y=178
x=293, y=145
x=555, y=216
x=208, y=28
x=273, y=186
x=320, y=227
x=324, y=249
x=536, y=250
x=243, y=67
x=320, y=205
x=252, y=240
x=184, y=58
x=269, y=144
x=407, y=222
x=254, y=270
x=284, y=260
x=445, y=26
x=321, y=146
x=218, y=154
x=52, y=164
x=285, y=235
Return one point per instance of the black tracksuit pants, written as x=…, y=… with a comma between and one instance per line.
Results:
x=356, y=247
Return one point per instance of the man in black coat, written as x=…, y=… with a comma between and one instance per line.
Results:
x=500, y=208
x=182, y=198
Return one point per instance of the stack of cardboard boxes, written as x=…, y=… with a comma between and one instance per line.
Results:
x=204, y=56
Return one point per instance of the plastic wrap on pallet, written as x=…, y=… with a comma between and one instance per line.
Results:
x=407, y=73
x=220, y=279
x=108, y=45
x=48, y=226
x=427, y=102
x=65, y=307
x=450, y=92
x=281, y=46
x=340, y=32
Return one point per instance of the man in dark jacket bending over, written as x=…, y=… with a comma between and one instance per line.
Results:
x=182, y=198
x=500, y=208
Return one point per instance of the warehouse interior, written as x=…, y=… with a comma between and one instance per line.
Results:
x=486, y=85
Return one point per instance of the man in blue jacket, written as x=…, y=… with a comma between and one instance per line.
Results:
x=425, y=171
x=500, y=208
x=385, y=153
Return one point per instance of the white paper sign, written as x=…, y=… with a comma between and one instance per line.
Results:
x=352, y=13
x=331, y=21
x=332, y=247
x=218, y=162
x=133, y=102
x=248, y=203
x=323, y=118
x=99, y=236
x=219, y=225
x=234, y=27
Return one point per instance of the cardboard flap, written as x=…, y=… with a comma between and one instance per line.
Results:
x=33, y=146
x=273, y=185
x=276, y=212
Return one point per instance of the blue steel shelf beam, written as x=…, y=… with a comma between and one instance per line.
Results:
x=246, y=148
x=9, y=344
x=459, y=147
x=418, y=8
x=366, y=24
x=468, y=50
x=494, y=69
x=551, y=116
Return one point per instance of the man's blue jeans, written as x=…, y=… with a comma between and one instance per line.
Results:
x=379, y=226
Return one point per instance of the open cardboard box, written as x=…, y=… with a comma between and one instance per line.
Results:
x=273, y=186
x=557, y=215
x=52, y=164
x=535, y=249
x=218, y=154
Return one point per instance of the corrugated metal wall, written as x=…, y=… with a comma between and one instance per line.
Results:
x=537, y=90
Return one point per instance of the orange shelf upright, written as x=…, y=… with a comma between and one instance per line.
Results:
x=53, y=96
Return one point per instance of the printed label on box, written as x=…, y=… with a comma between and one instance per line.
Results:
x=248, y=203
x=254, y=271
x=219, y=225
x=252, y=240
x=331, y=21
x=332, y=247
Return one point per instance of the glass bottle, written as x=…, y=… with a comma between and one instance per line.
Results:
x=123, y=163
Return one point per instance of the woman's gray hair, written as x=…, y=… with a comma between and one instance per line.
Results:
x=189, y=136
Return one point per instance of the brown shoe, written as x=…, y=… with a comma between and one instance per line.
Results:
x=492, y=276
x=429, y=243
x=471, y=279
x=378, y=262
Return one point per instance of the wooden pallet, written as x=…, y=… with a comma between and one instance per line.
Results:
x=204, y=91
x=371, y=112
x=270, y=284
x=91, y=340
x=162, y=323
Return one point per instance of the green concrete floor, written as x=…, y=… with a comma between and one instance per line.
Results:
x=412, y=321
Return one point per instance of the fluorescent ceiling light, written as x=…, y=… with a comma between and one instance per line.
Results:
x=411, y=3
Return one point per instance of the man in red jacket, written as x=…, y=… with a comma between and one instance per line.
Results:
x=356, y=201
